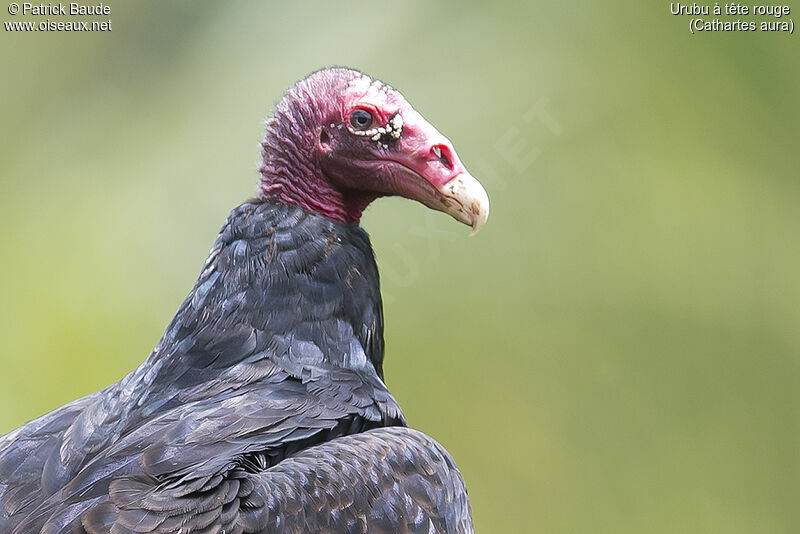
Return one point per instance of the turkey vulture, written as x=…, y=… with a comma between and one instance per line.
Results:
x=263, y=406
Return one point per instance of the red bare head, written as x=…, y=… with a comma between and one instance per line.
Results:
x=340, y=139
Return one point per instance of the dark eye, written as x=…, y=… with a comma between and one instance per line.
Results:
x=361, y=119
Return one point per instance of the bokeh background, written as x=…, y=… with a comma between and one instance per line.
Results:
x=617, y=351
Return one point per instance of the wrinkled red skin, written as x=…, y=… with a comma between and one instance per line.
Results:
x=334, y=170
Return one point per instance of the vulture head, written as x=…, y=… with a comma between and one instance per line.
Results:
x=339, y=139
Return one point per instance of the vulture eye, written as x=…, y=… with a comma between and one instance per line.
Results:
x=361, y=119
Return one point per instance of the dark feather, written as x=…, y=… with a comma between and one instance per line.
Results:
x=260, y=409
x=362, y=482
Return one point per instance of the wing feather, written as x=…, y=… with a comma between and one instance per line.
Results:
x=366, y=482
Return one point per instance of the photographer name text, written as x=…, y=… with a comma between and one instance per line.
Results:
x=60, y=9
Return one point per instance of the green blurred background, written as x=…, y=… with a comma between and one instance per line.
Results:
x=617, y=351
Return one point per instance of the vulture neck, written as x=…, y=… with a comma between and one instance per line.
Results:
x=283, y=284
x=303, y=186
x=290, y=172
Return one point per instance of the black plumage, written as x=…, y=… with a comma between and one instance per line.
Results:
x=294, y=431
x=263, y=408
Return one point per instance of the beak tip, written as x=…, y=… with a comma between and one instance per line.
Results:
x=481, y=216
x=466, y=200
x=479, y=207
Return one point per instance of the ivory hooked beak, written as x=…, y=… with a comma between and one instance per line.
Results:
x=466, y=200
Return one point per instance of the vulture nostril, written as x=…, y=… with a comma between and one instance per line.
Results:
x=442, y=156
